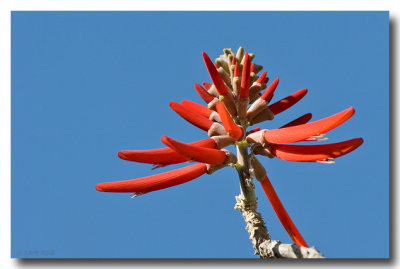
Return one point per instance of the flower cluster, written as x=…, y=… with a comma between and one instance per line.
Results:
x=236, y=99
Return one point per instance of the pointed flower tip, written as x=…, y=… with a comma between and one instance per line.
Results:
x=121, y=154
x=287, y=102
x=99, y=188
x=261, y=79
x=269, y=92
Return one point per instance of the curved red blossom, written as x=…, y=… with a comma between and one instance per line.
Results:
x=282, y=214
x=269, y=92
x=287, y=102
x=300, y=120
x=313, y=153
x=204, y=94
x=245, y=83
x=162, y=156
x=215, y=77
x=231, y=128
x=236, y=72
x=202, y=110
x=193, y=117
x=155, y=182
x=199, y=154
x=303, y=131
x=262, y=77
x=233, y=60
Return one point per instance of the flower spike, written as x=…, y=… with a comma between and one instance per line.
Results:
x=231, y=128
x=155, y=182
x=313, y=153
x=191, y=116
x=287, y=102
x=300, y=120
x=303, y=131
x=199, y=154
x=204, y=94
x=163, y=156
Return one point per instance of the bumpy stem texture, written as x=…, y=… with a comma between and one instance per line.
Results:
x=246, y=202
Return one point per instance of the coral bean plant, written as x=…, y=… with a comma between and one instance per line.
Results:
x=237, y=99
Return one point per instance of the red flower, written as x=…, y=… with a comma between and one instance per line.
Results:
x=234, y=99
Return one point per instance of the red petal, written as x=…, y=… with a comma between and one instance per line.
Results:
x=261, y=79
x=215, y=77
x=282, y=213
x=252, y=67
x=231, y=128
x=244, y=87
x=191, y=116
x=207, y=85
x=204, y=94
x=303, y=131
x=269, y=92
x=236, y=72
x=300, y=120
x=287, y=102
x=163, y=156
x=155, y=182
x=234, y=60
x=255, y=130
x=199, y=154
x=202, y=110
x=312, y=153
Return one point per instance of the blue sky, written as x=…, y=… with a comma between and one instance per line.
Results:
x=86, y=85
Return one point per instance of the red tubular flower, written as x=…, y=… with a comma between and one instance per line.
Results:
x=155, y=182
x=300, y=120
x=236, y=72
x=202, y=110
x=199, y=154
x=282, y=214
x=162, y=156
x=215, y=77
x=313, y=153
x=233, y=60
x=245, y=84
x=269, y=92
x=287, y=102
x=231, y=128
x=303, y=131
x=204, y=94
x=262, y=77
x=191, y=116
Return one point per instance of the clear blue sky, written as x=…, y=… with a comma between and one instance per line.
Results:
x=88, y=84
